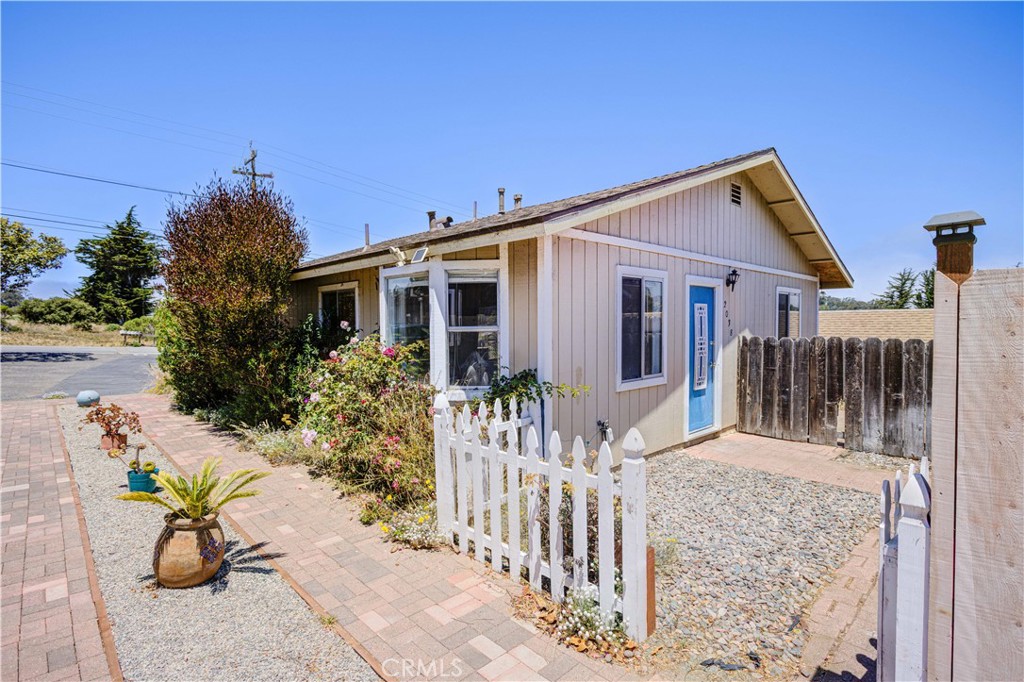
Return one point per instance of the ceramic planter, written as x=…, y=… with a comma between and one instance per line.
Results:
x=188, y=552
x=142, y=483
x=117, y=440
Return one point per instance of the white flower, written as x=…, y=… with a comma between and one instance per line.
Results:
x=344, y=324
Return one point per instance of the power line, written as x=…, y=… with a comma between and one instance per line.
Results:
x=58, y=215
x=463, y=209
x=65, y=222
x=86, y=177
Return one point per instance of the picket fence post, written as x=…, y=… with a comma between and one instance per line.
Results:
x=463, y=428
x=887, y=590
x=533, y=508
x=634, y=535
x=912, y=579
x=443, y=480
x=556, y=551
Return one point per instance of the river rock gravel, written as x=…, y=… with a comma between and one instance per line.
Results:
x=741, y=554
x=245, y=624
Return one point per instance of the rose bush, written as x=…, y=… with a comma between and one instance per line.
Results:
x=366, y=420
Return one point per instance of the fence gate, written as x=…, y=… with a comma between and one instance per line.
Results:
x=489, y=491
x=875, y=393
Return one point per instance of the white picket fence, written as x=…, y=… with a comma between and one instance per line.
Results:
x=474, y=476
x=903, y=577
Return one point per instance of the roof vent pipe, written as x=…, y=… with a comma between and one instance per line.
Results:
x=518, y=201
x=431, y=218
x=501, y=200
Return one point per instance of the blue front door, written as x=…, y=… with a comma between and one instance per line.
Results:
x=701, y=357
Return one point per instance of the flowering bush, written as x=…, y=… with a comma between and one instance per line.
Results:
x=416, y=527
x=367, y=420
x=581, y=621
x=113, y=418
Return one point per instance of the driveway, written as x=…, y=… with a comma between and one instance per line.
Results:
x=31, y=371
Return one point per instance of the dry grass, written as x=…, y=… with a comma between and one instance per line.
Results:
x=33, y=334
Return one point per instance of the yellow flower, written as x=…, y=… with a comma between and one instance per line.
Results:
x=384, y=527
x=421, y=519
x=388, y=498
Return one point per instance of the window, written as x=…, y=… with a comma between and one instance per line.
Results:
x=338, y=303
x=408, y=309
x=641, y=327
x=788, y=313
x=472, y=329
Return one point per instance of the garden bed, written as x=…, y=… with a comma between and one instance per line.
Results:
x=246, y=623
x=742, y=553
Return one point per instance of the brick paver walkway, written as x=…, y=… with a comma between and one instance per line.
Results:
x=53, y=622
x=405, y=606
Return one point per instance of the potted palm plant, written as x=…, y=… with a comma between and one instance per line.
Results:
x=112, y=419
x=190, y=548
x=140, y=474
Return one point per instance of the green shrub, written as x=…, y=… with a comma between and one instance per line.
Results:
x=111, y=327
x=366, y=420
x=139, y=324
x=416, y=527
x=58, y=310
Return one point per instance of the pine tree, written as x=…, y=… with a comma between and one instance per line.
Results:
x=900, y=291
x=124, y=264
x=924, y=296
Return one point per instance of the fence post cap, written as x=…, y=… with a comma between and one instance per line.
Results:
x=633, y=445
x=915, y=494
x=441, y=402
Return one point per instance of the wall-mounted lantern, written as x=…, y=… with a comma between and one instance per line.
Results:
x=731, y=279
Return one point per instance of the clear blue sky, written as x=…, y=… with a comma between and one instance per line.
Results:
x=884, y=114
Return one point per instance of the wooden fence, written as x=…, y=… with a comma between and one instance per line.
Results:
x=482, y=476
x=903, y=577
x=876, y=394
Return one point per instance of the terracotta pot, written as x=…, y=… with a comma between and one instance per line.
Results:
x=188, y=552
x=117, y=440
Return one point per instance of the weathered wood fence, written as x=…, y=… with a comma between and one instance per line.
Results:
x=875, y=394
x=482, y=476
x=903, y=573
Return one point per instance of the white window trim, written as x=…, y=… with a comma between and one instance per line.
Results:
x=791, y=291
x=437, y=270
x=716, y=358
x=341, y=286
x=622, y=271
x=489, y=276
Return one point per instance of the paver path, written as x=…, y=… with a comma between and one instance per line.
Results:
x=407, y=608
x=53, y=623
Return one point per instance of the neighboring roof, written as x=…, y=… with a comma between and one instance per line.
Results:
x=903, y=324
x=763, y=166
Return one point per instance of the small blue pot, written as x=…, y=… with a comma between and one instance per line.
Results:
x=142, y=483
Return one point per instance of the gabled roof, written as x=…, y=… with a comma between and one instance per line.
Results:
x=764, y=168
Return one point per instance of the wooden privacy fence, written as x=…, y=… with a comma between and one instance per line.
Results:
x=875, y=393
x=903, y=575
x=482, y=475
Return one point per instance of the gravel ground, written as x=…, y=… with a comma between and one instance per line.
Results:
x=742, y=553
x=246, y=623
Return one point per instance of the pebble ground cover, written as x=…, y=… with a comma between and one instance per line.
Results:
x=246, y=623
x=744, y=552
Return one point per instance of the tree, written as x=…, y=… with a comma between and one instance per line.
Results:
x=224, y=338
x=924, y=296
x=900, y=290
x=25, y=257
x=826, y=302
x=124, y=264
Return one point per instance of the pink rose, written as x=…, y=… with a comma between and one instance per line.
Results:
x=333, y=355
x=389, y=352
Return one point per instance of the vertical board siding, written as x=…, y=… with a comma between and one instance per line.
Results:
x=701, y=219
x=522, y=264
x=794, y=389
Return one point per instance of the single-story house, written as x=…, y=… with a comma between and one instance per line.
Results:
x=638, y=291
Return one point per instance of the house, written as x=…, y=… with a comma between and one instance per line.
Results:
x=899, y=323
x=639, y=291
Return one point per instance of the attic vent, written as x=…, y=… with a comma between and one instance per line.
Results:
x=737, y=194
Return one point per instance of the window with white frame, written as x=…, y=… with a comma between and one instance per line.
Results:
x=472, y=328
x=339, y=303
x=641, y=308
x=787, y=308
x=408, y=309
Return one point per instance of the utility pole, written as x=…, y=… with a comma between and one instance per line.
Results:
x=251, y=172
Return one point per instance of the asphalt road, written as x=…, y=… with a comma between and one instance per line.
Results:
x=30, y=371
